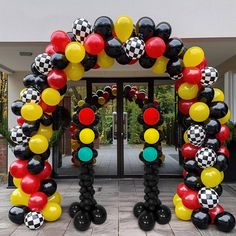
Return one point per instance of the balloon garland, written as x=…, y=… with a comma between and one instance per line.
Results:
x=89, y=47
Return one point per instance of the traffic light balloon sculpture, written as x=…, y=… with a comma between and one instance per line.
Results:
x=87, y=47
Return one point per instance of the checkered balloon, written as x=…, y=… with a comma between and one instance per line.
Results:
x=134, y=48
x=209, y=76
x=81, y=28
x=17, y=135
x=30, y=95
x=208, y=198
x=205, y=157
x=176, y=77
x=34, y=220
x=43, y=63
x=196, y=135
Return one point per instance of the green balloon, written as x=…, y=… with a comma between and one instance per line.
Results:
x=85, y=154
x=150, y=154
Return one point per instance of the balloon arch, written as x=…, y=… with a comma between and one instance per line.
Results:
x=202, y=108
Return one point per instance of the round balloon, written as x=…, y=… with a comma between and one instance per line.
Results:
x=81, y=28
x=208, y=198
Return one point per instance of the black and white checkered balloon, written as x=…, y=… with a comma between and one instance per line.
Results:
x=30, y=95
x=176, y=77
x=34, y=220
x=43, y=63
x=196, y=135
x=208, y=198
x=209, y=76
x=17, y=135
x=205, y=157
x=134, y=48
x=81, y=28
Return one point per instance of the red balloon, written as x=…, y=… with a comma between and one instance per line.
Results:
x=20, y=120
x=37, y=201
x=18, y=168
x=202, y=65
x=30, y=184
x=190, y=200
x=96, y=67
x=133, y=62
x=151, y=116
x=141, y=95
x=57, y=79
x=106, y=95
x=192, y=75
x=184, y=105
x=46, y=108
x=185, y=173
x=46, y=172
x=50, y=50
x=72, y=127
x=182, y=189
x=155, y=47
x=189, y=151
x=178, y=83
x=86, y=116
x=59, y=40
x=94, y=44
x=224, y=133
x=215, y=211
x=132, y=93
x=224, y=150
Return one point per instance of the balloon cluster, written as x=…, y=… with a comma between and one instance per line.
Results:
x=204, y=115
x=87, y=210
x=152, y=209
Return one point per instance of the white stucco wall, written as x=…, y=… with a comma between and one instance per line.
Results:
x=35, y=20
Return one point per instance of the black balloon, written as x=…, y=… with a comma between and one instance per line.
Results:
x=162, y=215
x=174, y=47
x=193, y=181
x=218, y=109
x=63, y=90
x=182, y=52
x=22, y=151
x=146, y=221
x=30, y=128
x=219, y=189
x=222, y=162
x=99, y=93
x=34, y=70
x=113, y=47
x=190, y=165
x=108, y=89
x=98, y=215
x=145, y=28
x=89, y=61
x=17, y=214
x=138, y=209
x=74, y=208
x=71, y=36
x=146, y=62
x=206, y=95
x=59, y=61
x=225, y=221
x=48, y=186
x=82, y=220
x=45, y=155
x=40, y=82
x=16, y=107
x=201, y=218
x=94, y=99
x=163, y=30
x=28, y=80
x=35, y=165
x=212, y=143
x=174, y=67
x=123, y=59
x=103, y=26
x=212, y=127
x=46, y=119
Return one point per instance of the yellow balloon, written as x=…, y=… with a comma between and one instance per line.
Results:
x=31, y=111
x=81, y=103
x=182, y=212
x=51, y=96
x=104, y=61
x=160, y=65
x=186, y=137
x=193, y=56
x=74, y=71
x=18, y=197
x=75, y=52
x=176, y=199
x=211, y=177
x=151, y=136
x=199, y=112
x=188, y=91
x=38, y=144
x=74, y=144
x=45, y=131
x=226, y=118
x=218, y=95
x=52, y=211
x=123, y=28
x=86, y=136
x=56, y=197
x=16, y=182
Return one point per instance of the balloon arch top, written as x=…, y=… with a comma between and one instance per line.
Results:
x=88, y=47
